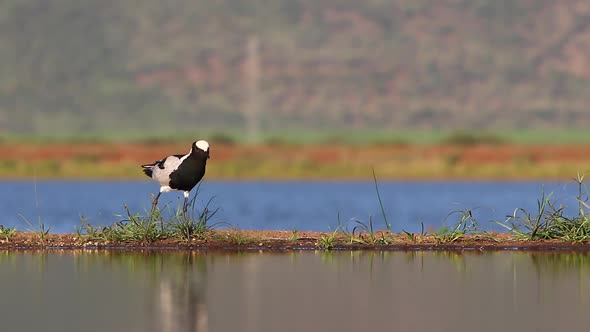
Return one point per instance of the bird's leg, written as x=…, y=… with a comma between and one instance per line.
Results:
x=155, y=204
x=185, y=207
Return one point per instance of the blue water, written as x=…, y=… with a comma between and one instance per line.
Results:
x=314, y=206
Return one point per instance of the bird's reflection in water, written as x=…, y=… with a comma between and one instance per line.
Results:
x=179, y=303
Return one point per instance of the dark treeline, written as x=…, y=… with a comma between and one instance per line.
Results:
x=95, y=66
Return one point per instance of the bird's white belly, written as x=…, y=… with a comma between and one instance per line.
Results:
x=165, y=189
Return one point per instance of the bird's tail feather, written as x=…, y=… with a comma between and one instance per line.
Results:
x=148, y=172
x=147, y=169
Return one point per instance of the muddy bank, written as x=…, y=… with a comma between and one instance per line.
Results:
x=288, y=240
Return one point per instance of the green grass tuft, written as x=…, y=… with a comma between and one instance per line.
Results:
x=328, y=241
x=550, y=222
x=188, y=229
x=294, y=235
x=151, y=227
x=7, y=233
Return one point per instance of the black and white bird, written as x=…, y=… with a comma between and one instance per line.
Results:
x=179, y=172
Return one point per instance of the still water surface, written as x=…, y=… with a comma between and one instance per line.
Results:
x=301, y=291
x=313, y=206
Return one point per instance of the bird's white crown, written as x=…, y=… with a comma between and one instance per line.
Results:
x=203, y=145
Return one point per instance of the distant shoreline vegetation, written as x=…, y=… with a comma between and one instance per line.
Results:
x=434, y=156
x=346, y=137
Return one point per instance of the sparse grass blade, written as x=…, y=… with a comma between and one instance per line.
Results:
x=410, y=236
x=238, y=238
x=387, y=224
x=583, y=195
x=466, y=225
x=86, y=232
x=542, y=205
x=366, y=234
x=41, y=231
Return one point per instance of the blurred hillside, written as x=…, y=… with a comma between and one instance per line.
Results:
x=176, y=66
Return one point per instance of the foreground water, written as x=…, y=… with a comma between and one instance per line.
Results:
x=302, y=291
x=306, y=206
